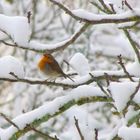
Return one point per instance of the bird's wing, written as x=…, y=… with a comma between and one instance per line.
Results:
x=55, y=66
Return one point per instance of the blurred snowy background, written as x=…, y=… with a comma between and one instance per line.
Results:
x=98, y=46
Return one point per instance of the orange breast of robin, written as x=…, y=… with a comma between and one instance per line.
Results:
x=42, y=63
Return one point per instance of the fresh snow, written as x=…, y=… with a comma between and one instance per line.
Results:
x=11, y=64
x=129, y=133
x=121, y=93
x=42, y=46
x=84, y=14
x=17, y=27
x=50, y=108
x=80, y=64
x=134, y=69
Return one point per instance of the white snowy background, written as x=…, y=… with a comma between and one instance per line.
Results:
x=31, y=109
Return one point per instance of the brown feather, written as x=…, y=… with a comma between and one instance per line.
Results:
x=54, y=65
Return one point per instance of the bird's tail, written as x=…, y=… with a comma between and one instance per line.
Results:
x=67, y=76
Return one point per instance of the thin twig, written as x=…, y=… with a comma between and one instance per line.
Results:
x=8, y=44
x=78, y=128
x=60, y=46
x=112, y=8
x=8, y=120
x=96, y=134
x=131, y=97
x=104, y=20
x=97, y=6
x=29, y=16
x=68, y=64
x=124, y=69
x=133, y=44
x=46, y=136
x=135, y=92
x=99, y=85
x=107, y=79
x=105, y=6
x=66, y=9
x=47, y=115
x=82, y=29
x=128, y=5
x=37, y=81
x=14, y=75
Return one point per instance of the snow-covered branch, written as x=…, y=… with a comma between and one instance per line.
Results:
x=79, y=96
x=85, y=16
x=87, y=79
x=42, y=48
x=80, y=15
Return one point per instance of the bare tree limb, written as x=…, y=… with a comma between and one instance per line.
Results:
x=105, y=7
x=35, y=81
x=98, y=7
x=64, y=106
x=131, y=98
x=133, y=44
x=8, y=120
x=78, y=128
x=107, y=79
x=29, y=16
x=73, y=38
x=107, y=19
x=44, y=135
x=96, y=134
x=58, y=47
x=99, y=85
x=124, y=69
x=128, y=5
x=64, y=8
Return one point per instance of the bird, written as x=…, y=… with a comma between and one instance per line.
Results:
x=50, y=67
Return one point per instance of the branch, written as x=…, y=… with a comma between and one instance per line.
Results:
x=97, y=19
x=97, y=6
x=99, y=85
x=72, y=39
x=128, y=5
x=37, y=82
x=133, y=44
x=44, y=135
x=131, y=97
x=105, y=7
x=78, y=128
x=134, y=119
x=42, y=48
x=112, y=8
x=60, y=105
x=8, y=120
x=113, y=75
x=124, y=69
x=96, y=134
x=64, y=8
x=29, y=16
x=101, y=19
x=107, y=79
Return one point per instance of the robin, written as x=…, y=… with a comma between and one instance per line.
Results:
x=49, y=66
